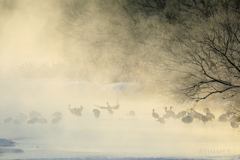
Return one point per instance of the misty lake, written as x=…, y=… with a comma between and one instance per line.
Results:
x=108, y=79
x=116, y=135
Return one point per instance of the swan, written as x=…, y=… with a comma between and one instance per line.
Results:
x=71, y=109
x=78, y=111
x=197, y=115
x=21, y=117
x=131, y=113
x=238, y=119
x=169, y=113
x=187, y=119
x=57, y=114
x=161, y=120
x=155, y=115
x=166, y=116
x=32, y=121
x=8, y=120
x=234, y=124
x=109, y=108
x=96, y=113
x=34, y=114
x=209, y=114
x=42, y=120
x=234, y=118
x=16, y=122
x=205, y=119
x=206, y=110
x=56, y=120
x=181, y=114
x=223, y=117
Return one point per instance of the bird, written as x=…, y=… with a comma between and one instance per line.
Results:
x=56, y=120
x=238, y=119
x=205, y=119
x=154, y=114
x=209, y=114
x=32, y=121
x=78, y=111
x=8, y=120
x=181, y=114
x=57, y=114
x=223, y=117
x=109, y=108
x=234, y=124
x=166, y=116
x=75, y=111
x=197, y=115
x=192, y=114
x=187, y=119
x=42, y=120
x=16, y=122
x=234, y=118
x=206, y=110
x=21, y=117
x=131, y=113
x=34, y=114
x=169, y=113
x=96, y=113
x=161, y=120
x=71, y=109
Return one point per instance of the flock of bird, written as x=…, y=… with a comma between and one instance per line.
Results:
x=34, y=117
x=188, y=117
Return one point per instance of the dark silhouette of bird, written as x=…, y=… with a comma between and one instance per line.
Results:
x=131, y=113
x=96, y=113
x=161, y=120
x=71, y=109
x=187, y=119
x=56, y=120
x=16, y=122
x=234, y=124
x=154, y=114
x=223, y=117
x=42, y=120
x=8, y=120
x=21, y=117
x=32, y=121
x=181, y=114
x=78, y=111
x=169, y=113
x=109, y=108
x=57, y=114
x=34, y=114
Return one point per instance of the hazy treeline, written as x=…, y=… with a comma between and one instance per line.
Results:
x=185, y=47
x=188, y=47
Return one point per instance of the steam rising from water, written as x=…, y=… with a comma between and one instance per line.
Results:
x=116, y=135
x=35, y=76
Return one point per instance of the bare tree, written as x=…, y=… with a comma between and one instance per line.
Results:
x=193, y=43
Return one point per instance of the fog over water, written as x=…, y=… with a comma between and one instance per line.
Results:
x=37, y=73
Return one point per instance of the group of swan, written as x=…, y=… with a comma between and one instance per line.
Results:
x=34, y=117
x=76, y=111
x=188, y=117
